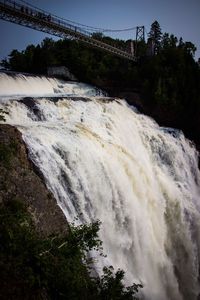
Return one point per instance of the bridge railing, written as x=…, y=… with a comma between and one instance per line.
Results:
x=47, y=18
x=39, y=13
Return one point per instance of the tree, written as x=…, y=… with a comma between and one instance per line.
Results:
x=165, y=43
x=111, y=286
x=54, y=267
x=155, y=35
x=17, y=60
x=190, y=48
x=180, y=43
x=169, y=41
x=4, y=63
x=97, y=36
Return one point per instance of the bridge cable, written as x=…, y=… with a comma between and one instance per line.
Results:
x=97, y=29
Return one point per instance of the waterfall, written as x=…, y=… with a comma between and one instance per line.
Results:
x=104, y=160
x=23, y=85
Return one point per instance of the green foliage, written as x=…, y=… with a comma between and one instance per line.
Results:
x=155, y=35
x=169, y=41
x=172, y=84
x=57, y=267
x=17, y=244
x=86, y=63
x=111, y=286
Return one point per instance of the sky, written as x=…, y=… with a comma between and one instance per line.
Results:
x=180, y=17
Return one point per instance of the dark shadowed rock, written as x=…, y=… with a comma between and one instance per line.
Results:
x=20, y=181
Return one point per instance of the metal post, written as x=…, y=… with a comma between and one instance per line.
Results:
x=132, y=48
x=139, y=36
x=140, y=33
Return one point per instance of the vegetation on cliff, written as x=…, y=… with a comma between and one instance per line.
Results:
x=171, y=84
x=54, y=267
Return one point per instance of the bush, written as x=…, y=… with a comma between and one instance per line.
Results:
x=55, y=267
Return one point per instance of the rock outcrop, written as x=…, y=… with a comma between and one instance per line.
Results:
x=19, y=181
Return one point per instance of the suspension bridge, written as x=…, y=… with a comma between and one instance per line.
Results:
x=30, y=16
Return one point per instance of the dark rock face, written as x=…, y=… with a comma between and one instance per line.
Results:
x=20, y=181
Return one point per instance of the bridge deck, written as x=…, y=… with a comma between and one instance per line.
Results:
x=40, y=20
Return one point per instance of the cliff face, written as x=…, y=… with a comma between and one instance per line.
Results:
x=19, y=181
x=39, y=257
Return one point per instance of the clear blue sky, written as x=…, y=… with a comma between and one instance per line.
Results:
x=181, y=17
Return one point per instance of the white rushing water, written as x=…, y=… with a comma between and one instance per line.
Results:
x=103, y=160
x=23, y=85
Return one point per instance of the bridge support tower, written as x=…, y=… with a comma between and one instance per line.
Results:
x=140, y=36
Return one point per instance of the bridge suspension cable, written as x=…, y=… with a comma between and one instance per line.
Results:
x=30, y=16
x=90, y=28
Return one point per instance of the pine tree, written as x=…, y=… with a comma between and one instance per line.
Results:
x=155, y=35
